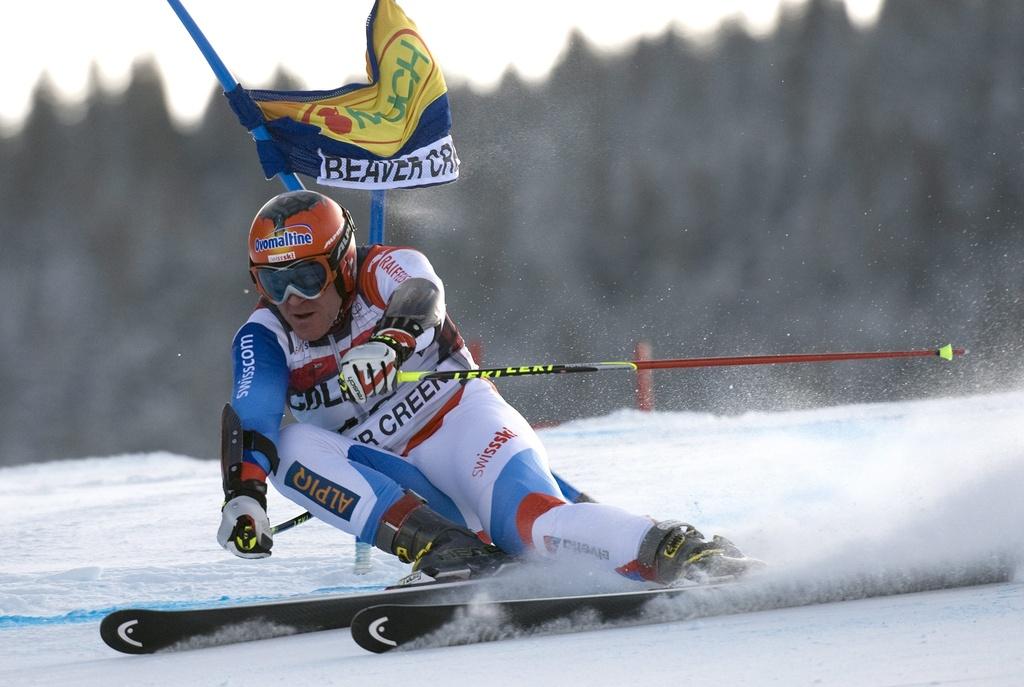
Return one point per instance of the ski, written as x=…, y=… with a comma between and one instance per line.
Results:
x=145, y=631
x=420, y=622
x=387, y=626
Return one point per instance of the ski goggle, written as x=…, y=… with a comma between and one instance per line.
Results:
x=307, y=278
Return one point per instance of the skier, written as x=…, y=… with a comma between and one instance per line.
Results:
x=443, y=474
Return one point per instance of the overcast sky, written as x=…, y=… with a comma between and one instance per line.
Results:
x=323, y=43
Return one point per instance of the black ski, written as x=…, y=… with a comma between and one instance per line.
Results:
x=144, y=631
x=443, y=623
x=387, y=626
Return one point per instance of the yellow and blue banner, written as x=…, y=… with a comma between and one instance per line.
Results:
x=393, y=132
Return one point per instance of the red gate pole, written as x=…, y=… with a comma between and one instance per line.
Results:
x=644, y=379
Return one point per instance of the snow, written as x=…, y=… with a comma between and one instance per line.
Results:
x=876, y=492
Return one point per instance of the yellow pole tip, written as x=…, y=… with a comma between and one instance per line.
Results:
x=946, y=352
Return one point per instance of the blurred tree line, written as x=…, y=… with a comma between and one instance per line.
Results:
x=820, y=188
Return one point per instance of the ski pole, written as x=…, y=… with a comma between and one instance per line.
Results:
x=288, y=524
x=945, y=352
x=362, y=556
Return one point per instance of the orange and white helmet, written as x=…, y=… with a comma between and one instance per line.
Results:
x=299, y=243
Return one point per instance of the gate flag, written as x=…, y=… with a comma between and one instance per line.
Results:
x=393, y=132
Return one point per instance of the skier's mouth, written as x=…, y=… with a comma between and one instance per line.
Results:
x=301, y=313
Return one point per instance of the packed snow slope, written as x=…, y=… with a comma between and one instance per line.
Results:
x=886, y=491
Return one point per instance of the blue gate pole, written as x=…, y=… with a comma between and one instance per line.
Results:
x=378, y=207
x=227, y=82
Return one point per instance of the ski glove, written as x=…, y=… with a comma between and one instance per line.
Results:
x=245, y=528
x=372, y=368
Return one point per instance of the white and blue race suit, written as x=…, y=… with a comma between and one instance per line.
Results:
x=459, y=445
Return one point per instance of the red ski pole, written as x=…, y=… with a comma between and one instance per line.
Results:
x=946, y=352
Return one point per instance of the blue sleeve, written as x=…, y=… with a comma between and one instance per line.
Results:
x=260, y=385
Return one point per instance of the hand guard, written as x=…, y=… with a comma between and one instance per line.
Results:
x=372, y=368
x=245, y=528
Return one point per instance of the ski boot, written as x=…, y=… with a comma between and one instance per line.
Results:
x=673, y=551
x=436, y=546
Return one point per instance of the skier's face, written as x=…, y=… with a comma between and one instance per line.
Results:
x=309, y=318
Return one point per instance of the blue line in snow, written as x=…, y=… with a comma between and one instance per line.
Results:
x=86, y=615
